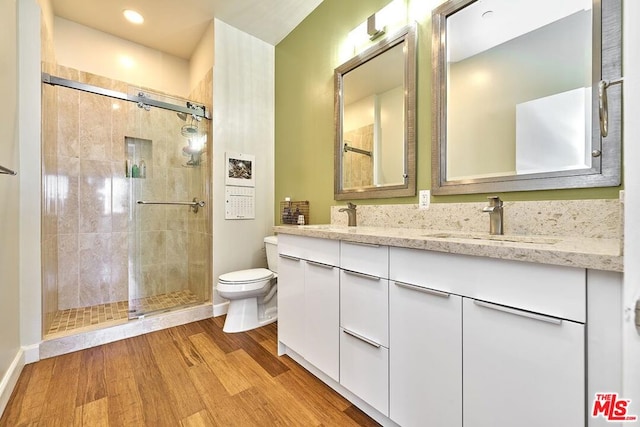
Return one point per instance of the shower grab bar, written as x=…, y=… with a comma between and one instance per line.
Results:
x=194, y=205
x=7, y=171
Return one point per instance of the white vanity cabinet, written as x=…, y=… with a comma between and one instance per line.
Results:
x=521, y=368
x=522, y=339
x=425, y=376
x=364, y=330
x=308, y=300
x=417, y=337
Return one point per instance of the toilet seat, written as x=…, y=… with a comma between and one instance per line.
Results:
x=245, y=277
x=245, y=283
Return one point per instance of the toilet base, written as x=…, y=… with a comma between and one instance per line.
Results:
x=245, y=314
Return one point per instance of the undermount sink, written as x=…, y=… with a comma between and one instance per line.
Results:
x=499, y=238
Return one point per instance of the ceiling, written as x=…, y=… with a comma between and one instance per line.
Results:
x=176, y=26
x=471, y=30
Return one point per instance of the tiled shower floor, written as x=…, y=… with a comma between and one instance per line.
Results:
x=76, y=318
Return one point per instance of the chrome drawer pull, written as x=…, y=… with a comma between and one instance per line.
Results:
x=364, y=276
x=520, y=313
x=423, y=290
x=361, y=338
x=319, y=264
x=371, y=245
x=292, y=258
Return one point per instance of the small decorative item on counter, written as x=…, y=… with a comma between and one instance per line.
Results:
x=135, y=171
x=286, y=212
x=294, y=212
x=127, y=169
x=143, y=169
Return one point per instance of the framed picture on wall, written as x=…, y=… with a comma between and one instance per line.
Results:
x=240, y=169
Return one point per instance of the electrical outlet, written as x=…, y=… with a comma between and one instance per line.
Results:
x=424, y=199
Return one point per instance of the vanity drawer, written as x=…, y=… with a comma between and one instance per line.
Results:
x=364, y=306
x=364, y=369
x=324, y=251
x=365, y=258
x=548, y=289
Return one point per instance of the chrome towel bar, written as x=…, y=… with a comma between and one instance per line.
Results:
x=195, y=204
x=347, y=147
x=7, y=171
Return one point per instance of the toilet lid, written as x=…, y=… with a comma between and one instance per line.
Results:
x=246, y=276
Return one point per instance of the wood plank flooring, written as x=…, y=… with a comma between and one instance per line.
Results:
x=190, y=375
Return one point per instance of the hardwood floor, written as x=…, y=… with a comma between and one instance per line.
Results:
x=190, y=375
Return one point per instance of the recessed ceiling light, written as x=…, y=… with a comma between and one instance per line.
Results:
x=487, y=14
x=133, y=16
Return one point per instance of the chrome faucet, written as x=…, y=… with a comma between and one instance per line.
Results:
x=351, y=212
x=495, y=215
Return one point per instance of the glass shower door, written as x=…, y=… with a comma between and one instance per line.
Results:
x=167, y=169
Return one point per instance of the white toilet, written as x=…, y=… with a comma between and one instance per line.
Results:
x=251, y=293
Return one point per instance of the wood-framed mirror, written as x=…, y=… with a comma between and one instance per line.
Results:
x=375, y=116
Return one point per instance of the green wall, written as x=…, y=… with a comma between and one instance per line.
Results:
x=304, y=104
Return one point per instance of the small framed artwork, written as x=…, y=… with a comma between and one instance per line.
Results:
x=240, y=169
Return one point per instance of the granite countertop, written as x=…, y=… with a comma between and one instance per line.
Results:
x=584, y=252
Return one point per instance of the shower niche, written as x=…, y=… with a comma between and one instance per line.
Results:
x=139, y=162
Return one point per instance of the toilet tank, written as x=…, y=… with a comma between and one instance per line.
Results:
x=271, y=247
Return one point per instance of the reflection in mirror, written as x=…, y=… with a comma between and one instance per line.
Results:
x=375, y=115
x=514, y=99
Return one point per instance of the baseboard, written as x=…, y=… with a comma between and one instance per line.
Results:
x=220, y=309
x=31, y=353
x=10, y=379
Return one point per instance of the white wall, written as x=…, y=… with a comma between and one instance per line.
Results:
x=29, y=118
x=90, y=50
x=202, y=57
x=9, y=205
x=631, y=338
x=243, y=121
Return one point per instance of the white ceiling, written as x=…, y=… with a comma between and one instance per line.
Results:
x=469, y=33
x=176, y=26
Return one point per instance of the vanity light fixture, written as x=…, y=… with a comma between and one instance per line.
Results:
x=133, y=16
x=373, y=32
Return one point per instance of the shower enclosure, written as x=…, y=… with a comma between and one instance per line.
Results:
x=131, y=197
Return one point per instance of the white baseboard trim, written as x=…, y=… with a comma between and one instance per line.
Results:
x=31, y=353
x=10, y=379
x=220, y=309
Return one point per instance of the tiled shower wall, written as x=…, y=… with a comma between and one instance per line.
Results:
x=358, y=168
x=95, y=236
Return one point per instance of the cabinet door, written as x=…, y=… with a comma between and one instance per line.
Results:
x=322, y=311
x=291, y=303
x=425, y=356
x=520, y=368
x=364, y=369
